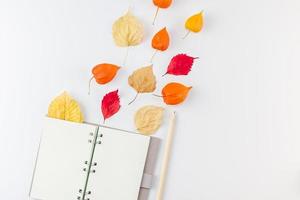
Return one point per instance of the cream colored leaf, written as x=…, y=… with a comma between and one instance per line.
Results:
x=66, y=108
x=127, y=31
x=148, y=119
x=143, y=80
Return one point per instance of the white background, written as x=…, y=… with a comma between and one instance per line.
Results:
x=238, y=133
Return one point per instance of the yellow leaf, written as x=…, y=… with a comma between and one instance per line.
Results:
x=148, y=119
x=127, y=31
x=195, y=23
x=143, y=80
x=66, y=108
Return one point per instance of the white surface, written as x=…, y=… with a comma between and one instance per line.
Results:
x=120, y=161
x=238, y=132
x=59, y=171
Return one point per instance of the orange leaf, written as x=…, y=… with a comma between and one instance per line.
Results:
x=175, y=93
x=162, y=3
x=104, y=73
x=161, y=40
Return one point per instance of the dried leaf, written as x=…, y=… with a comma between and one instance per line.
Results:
x=175, y=93
x=104, y=73
x=180, y=64
x=142, y=80
x=127, y=31
x=148, y=119
x=161, y=4
x=161, y=40
x=110, y=104
x=66, y=108
x=195, y=23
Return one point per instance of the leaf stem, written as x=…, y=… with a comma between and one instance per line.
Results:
x=162, y=96
x=164, y=74
x=155, y=15
x=157, y=95
x=126, y=55
x=90, y=84
x=133, y=98
x=151, y=60
x=188, y=32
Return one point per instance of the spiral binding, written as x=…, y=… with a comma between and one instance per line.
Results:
x=86, y=193
x=88, y=168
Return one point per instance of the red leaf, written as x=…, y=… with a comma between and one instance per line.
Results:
x=180, y=64
x=110, y=104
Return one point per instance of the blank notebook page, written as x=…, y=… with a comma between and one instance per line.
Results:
x=120, y=162
x=59, y=169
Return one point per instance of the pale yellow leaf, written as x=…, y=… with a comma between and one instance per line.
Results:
x=148, y=119
x=143, y=80
x=127, y=31
x=66, y=108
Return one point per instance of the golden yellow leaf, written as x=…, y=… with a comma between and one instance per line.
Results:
x=143, y=80
x=66, y=108
x=127, y=31
x=148, y=119
x=195, y=22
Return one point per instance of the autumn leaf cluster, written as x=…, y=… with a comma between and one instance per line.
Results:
x=128, y=31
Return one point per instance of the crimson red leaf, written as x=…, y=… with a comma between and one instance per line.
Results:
x=110, y=104
x=180, y=64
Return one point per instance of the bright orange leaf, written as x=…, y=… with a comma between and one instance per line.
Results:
x=161, y=40
x=104, y=73
x=175, y=93
x=161, y=4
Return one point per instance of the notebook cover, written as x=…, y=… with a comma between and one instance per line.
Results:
x=149, y=170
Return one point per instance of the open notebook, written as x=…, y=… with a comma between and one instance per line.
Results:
x=90, y=162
